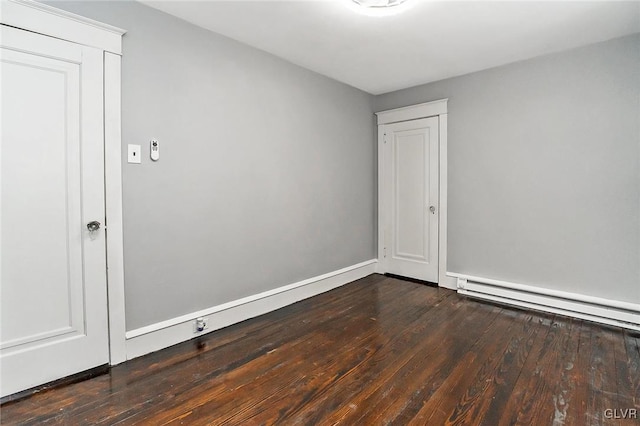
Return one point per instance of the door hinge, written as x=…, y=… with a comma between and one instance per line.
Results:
x=384, y=252
x=384, y=138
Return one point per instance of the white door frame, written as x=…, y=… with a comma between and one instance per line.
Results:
x=429, y=109
x=43, y=19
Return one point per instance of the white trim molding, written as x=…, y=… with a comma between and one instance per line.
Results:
x=161, y=335
x=413, y=112
x=443, y=279
x=605, y=311
x=44, y=19
x=113, y=207
x=438, y=109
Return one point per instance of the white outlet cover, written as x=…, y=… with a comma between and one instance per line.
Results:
x=134, y=154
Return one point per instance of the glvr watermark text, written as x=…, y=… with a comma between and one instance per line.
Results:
x=621, y=413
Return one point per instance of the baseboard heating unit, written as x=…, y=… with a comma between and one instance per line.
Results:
x=605, y=311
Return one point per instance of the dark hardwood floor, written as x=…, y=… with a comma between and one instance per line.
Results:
x=376, y=351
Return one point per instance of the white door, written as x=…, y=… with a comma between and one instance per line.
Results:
x=53, y=275
x=410, y=198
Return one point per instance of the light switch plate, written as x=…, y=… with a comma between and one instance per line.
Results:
x=134, y=154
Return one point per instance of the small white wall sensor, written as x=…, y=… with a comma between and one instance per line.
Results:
x=154, y=149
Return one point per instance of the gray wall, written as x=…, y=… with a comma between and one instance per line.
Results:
x=544, y=173
x=266, y=176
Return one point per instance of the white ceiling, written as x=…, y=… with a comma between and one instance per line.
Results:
x=429, y=41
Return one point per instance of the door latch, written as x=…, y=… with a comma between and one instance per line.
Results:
x=93, y=226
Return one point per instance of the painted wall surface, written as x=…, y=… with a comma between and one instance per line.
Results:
x=544, y=169
x=266, y=175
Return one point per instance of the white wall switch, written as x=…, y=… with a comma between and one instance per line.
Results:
x=154, y=149
x=134, y=155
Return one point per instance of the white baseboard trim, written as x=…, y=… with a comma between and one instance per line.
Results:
x=445, y=281
x=605, y=311
x=448, y=282
x=161, y=335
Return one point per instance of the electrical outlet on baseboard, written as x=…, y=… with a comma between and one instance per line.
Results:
x=201, y=324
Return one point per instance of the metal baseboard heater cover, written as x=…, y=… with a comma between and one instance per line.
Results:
x=605, y=311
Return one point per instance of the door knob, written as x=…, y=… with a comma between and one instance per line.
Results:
x=432, y=209
x=93, y=226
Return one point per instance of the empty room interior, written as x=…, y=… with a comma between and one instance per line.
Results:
x=320, y=212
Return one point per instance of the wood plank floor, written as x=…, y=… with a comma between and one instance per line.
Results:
x=376, y=351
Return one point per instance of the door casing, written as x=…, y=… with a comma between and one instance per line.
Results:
x=437, y=109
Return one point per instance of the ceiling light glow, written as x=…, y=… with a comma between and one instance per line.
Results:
x=378, y=3
x=378, y=7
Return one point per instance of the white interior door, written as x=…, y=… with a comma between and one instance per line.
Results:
x=53, y=274
x=410, y=198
